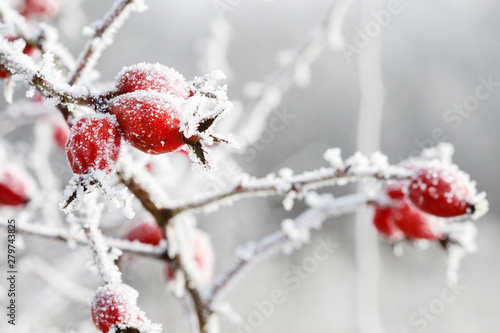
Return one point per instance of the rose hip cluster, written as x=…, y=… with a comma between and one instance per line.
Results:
x=146, y=112
x=436, y=191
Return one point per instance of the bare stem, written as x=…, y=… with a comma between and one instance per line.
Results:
x=143, y=250
x=103, y=35
x=272, y=242
x=299, y=183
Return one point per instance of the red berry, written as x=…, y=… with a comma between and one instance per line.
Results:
x=383, y=219
x=93, y=144
x=41, y=8
x=403, y=219
x=416, y=224
x=149, y=121
x=115, y=304
x=13, y=188
x=153, y=77
x=145, y=232
x=441, y=190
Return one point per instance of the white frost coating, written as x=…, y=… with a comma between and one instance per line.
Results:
x=89, y=217
x=462, y=241
x=8, y=89
x=225, y=309
x=96, y=181
x=443, y=152
x=40, y=163
x=334, y=157
x=50, y=38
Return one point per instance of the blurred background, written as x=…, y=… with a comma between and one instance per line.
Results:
x=434, y=55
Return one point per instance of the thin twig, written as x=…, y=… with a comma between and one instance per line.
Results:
x=282, y=79
x=134, y=248
x=298, y=183
x=103, y=34
x=37, y=37
x=305, y=221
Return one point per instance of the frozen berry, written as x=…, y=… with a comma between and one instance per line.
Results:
x=383, y=220
x=115, y=304
x=442, y=190
x=93, y=144
x=13, y=188
x=41, y=8
x=147, y=232
x=149, y=121
x=155, y=77
x=416, y=224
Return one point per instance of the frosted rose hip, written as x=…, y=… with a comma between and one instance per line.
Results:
x=13, y=188
x=383, y=220
x=114, y=304
x=93, y=144
x=145, y=232
x=416, y=224
x=441, y=190
x=404, y=220
x=149, y=121
x=41, y=8
x=154, y=77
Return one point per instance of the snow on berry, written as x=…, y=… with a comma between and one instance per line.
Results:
x=93, y=144
x=442, y=190
x=152, y=77
x=149, y=121
x=13, y=187
x=115, y=304
x=145, y=231
x=41, y=8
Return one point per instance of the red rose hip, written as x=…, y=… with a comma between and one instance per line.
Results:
x=155, y=77
x=93, y=144
x=383, y=220
x=442, y=190
x=145, y=232
x=13, y=188
x=114, y=304
x=416, y=224
x=41, y=8
x=149, y=121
